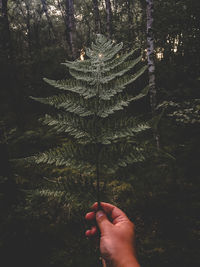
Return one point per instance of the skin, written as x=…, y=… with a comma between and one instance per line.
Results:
x=116, y=235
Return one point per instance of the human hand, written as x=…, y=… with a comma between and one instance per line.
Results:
x=117, y=235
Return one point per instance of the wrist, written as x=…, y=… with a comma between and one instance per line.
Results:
x=127, y=261
x=124, y=260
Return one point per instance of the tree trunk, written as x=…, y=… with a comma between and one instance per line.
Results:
x=45, y=10
x=150, y=54
x=5, y=38
x=130, y=20
x=88, y=23
x=96, y=17
x=71, y=28
x=109, y=19
x=36, y=37
x=63, y=14
x=151, y=62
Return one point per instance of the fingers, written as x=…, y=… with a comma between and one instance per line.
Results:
x=115, y=214
x=112, y=211
x=90, y=216
x=103, y=222
x=92, y=232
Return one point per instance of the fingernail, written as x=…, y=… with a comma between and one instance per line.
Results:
x=87, y=233
x=99, y=214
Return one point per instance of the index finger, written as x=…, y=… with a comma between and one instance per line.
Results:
x=115, y=213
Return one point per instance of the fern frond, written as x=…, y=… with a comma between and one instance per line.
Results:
x=73, y=86
x=66, y=123
x=110, y=135
x=50, y=194
x=69, y=102
x=89, y=107
x=121, y=70
x=82, y=76
x=67, y=155
x=118, y=102
x=122, y=156
x=79, y=65
x=117, y=61
x=108, y=51
x=119, y=85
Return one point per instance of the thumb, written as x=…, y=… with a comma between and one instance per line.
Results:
x=102, y=221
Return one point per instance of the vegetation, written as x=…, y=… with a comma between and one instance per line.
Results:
x=93, y=98
x=43, y=206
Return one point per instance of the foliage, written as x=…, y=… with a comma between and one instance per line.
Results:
x=105, y=138
x=186, y=112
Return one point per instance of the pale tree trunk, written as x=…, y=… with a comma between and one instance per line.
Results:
x=96, y=17
x=108, y=18
x=71, y=27
x=151, y=63
x=150, y=54
x=50, y=24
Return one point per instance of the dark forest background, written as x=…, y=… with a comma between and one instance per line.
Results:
x=42, y=207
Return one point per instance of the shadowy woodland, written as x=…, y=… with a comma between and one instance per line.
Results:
x=43, y=206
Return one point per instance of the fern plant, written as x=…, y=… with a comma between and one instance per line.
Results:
x=91, y=112
x=186, y=113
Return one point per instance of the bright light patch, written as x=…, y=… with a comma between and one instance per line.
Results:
x=82, y=54
x=159, y=53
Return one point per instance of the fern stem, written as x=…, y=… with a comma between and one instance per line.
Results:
x=98, y=181
x=96, y=133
